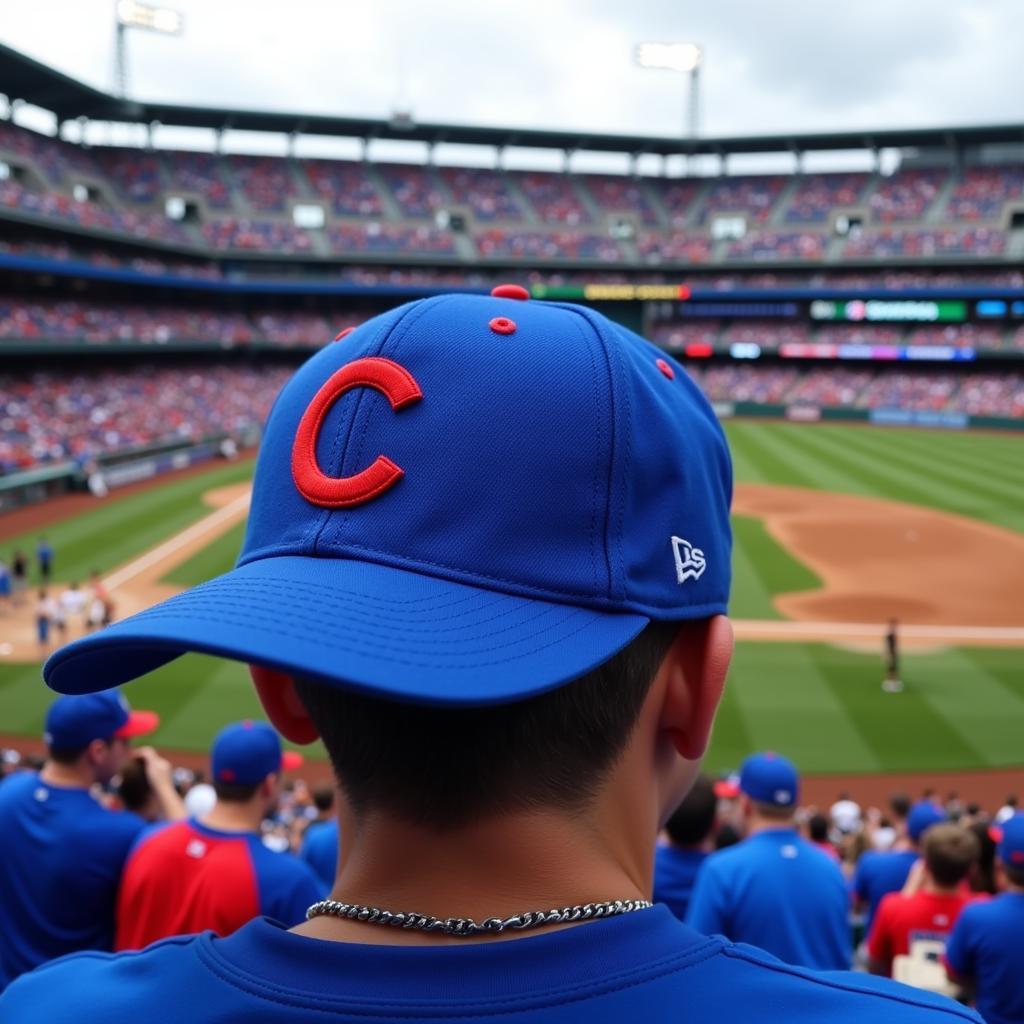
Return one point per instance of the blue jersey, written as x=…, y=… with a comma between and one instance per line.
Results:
x=646, y=966
x=675, y=871
x=61, y=856
x=986, y=947
x=777, y=891
x=320, y=850
x=879, y=873
x=187, y=877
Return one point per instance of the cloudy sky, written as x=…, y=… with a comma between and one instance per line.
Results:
x=776, y=66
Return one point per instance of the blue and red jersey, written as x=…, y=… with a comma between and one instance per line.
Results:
x=879, y=873
x=186, y=877
x=646, y=966
x=61, y=855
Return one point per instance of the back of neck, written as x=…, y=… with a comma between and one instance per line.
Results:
x=67, y=776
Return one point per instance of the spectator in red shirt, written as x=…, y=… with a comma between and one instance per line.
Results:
x=930, y=902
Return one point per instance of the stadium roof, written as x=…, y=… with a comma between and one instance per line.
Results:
x=26, y=79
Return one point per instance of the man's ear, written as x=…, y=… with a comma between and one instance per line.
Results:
x=281, y=702
x=697, y=664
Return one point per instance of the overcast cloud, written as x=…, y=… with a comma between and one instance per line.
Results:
x=787, y=65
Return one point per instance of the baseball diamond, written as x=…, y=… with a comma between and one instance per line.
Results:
x=838, y=528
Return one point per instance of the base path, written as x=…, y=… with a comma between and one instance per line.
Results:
x=135, y=585
x=947, y=578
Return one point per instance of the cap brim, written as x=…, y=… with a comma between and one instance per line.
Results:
x=376, y=628
x=140, y=723
x=290, y=760
x=726, y=790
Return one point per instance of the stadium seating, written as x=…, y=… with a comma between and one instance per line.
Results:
x=618, y=194
x=486, y=192
x=678, y=247
x=752, y=196
x=345, y=186
x=926, y=243
x=413, y=188
x=907, y=194
x=778, y=245
x=553, y=197
x=389, y=239
x=255, y=235
x=817, y=195
x=266, y=181
x=198, y=174
x=982, y=192
x=547, y=245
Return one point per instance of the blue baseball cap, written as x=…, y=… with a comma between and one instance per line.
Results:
x=466, y=500
x=245, y=753
x=72, y=723
x=770, y=778
x=1009, y=839
x=922, y=816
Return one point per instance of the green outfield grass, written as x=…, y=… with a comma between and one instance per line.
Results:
x=963, y=708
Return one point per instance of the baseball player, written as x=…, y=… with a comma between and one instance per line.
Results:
x=215, y=873
x=487, y=562
x=892, y=683
x=61, y=851
x=688, y=832
x=985, y=953
x=774, y=890
x=880, y=872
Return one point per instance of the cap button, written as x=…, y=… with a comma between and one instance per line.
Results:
x=510, y=291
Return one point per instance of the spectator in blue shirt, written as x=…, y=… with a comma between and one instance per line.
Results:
x=62, y=852
x=689, y=833
x=985, y=952
x=775, y=889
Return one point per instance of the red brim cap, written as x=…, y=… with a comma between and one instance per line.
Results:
x=290, y=760
x=725, y=789
x=140, y=723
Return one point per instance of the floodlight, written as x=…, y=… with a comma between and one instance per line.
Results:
x=132, y=14
x=684, y=57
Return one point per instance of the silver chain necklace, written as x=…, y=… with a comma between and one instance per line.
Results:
x=463, y=927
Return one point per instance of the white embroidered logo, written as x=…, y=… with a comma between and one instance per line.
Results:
x=690, y=561
x=196, y=848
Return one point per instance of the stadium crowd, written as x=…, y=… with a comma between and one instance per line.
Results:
x=243, y=203
x=55, y=416
x=880, y=889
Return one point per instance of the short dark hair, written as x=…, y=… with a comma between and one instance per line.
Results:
x=443, y=767
x=692, y=821
x=773, y=812
x=949, y=851
x=235, y=792
x=323, y=798
x=1014, y=875
x=134, y=788
x=65, y=756
x=899, y=804
x=817, y=828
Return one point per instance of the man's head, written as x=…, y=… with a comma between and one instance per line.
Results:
x=949, y=853
x=93, y=733
x=921, y=817
x=323, y=799
x=770, y=785
x=462, y=508
x=246, y=764
x=135, y=791
x=899, y=805
x=1009, y=837
x=694, y=819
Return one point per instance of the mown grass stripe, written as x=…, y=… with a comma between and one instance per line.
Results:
x=878, y=478
x=788, y=708
x=751, y=596
x=974, y=481
x=777, y=459
x=903, y=730
x=730, y=739
x=977, y=705
x=995, y=454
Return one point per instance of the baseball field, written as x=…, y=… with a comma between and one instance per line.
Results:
x=838, y=528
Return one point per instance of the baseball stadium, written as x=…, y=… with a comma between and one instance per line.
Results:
x=859, y=335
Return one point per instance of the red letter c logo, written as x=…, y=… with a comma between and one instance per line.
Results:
x=400, y=388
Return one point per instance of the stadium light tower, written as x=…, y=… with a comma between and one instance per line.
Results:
x=132, y=14
x=686, y=58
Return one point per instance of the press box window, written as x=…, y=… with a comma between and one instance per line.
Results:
x=181, y=209
x=728, y=229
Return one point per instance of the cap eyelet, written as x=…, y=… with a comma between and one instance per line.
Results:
x=666, y=369
x=502, y=325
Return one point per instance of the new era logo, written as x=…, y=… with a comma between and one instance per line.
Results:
x=690, y=561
